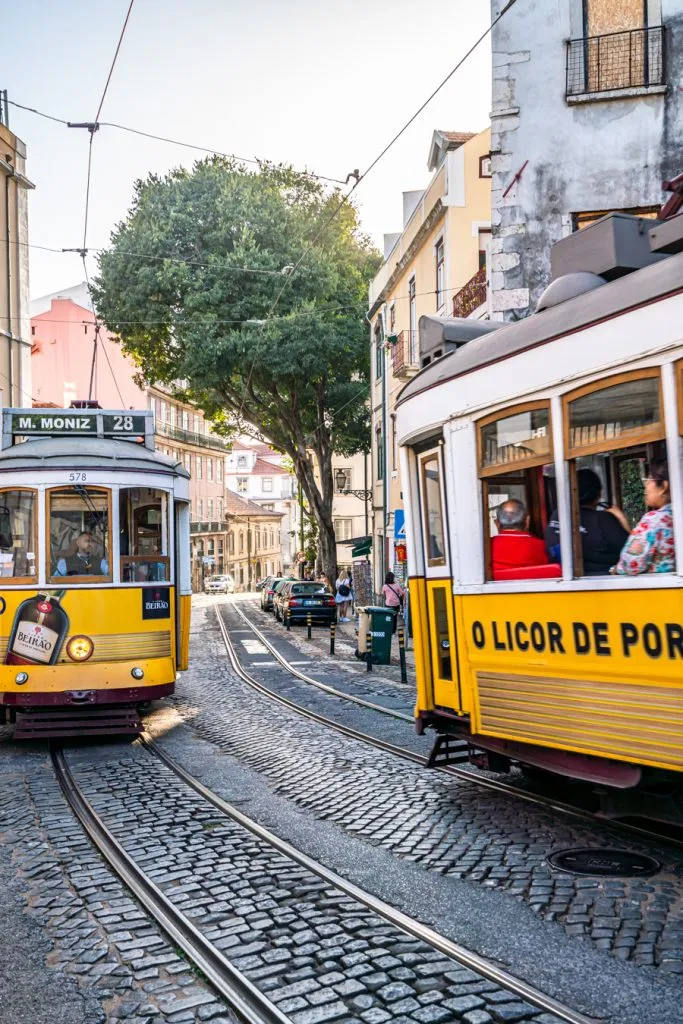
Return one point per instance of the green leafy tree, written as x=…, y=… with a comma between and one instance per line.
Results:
x=281, y=351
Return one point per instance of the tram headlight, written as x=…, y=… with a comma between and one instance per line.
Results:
x=80, y=648
x=21, y=678
x=137, y=673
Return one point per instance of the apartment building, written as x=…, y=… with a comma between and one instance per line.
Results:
x=259, y=474
x=435, y=266
x=586, y=119
x=15, y=345
x=254, y=541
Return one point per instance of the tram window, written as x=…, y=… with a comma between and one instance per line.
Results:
x=18, y=540
x=143, y=535
x=433, y=511
x=613, y=429
x=515, y=466
x=79, y=540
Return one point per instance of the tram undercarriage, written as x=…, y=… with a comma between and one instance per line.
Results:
x=620, y=790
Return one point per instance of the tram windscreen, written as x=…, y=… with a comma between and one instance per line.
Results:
x=17, y=533
x=143, y=535
x=79, y=532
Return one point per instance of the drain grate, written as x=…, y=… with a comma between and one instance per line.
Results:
x=609, y=863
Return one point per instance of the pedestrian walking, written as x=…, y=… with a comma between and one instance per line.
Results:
x=343, y=595
x=394, y=596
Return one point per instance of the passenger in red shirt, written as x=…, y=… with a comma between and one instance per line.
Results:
x=514, y=547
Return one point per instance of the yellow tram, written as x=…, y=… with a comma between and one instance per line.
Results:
x=563, y=666
x=94, y=570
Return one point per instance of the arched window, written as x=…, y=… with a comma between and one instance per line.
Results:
x=613, y=428
x=516, y=469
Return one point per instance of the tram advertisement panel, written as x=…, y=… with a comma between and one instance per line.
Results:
x=51, y=627
x=589, y=671
x=619, y=633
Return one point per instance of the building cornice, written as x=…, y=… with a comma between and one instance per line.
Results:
x=427, y=226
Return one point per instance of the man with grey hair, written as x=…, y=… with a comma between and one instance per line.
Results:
x=514, y=547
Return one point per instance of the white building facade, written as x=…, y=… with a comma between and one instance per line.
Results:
x=586, y=120
x=256, y=472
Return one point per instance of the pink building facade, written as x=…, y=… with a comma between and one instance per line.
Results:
x=64, y=357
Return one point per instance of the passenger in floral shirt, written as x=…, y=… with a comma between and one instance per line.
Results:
x=650, y=547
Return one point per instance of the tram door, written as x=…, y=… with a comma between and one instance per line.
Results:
x=438, y=580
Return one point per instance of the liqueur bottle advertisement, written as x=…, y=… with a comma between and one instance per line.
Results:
x=38, y=632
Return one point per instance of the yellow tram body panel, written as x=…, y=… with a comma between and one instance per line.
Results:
x=112, y=619
x=571, y=671
x=184, y=613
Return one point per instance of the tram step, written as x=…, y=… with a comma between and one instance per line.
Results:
x=49, y=724
x=448, y=750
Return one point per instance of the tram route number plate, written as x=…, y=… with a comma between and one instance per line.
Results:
x=77, y=422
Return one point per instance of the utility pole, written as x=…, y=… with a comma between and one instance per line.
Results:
x=249, y=577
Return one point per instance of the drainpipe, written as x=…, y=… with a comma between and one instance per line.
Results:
x=9, y=291
x=385, y=481
x=366, y=492
x=248, y=554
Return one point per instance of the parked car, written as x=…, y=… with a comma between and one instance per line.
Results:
x=278, y=586
x=219, y=585
x=298, y=599
x=268, y=592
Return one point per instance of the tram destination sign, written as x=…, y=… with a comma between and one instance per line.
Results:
x=77, y=422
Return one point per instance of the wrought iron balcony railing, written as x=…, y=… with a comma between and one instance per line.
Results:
x=208, y=526
x=190, y=436
x=471, y=295
x=621, y=60
x=405, y=354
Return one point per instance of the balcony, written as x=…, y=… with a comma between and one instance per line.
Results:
x=629, y=63
x=190, y=437
x=206, y=526
x=471, y=295
x=405, y=355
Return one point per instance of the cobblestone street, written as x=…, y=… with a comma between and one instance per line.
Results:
x=469, y=862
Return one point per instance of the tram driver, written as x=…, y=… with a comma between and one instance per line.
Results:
x=82, y=561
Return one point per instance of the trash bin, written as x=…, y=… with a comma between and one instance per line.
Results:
x=380, y=622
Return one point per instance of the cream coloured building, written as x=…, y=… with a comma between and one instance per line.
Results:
x=436, y=265
x=15, y=322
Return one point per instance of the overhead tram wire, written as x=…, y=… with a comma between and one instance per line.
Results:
x=256, y=161
x=391, y=143
x=92, y=127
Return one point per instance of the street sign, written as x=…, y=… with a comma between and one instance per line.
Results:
x=399, y=526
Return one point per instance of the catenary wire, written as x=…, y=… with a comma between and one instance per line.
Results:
x=113, y=63
x=175, y=142
x=392, y=142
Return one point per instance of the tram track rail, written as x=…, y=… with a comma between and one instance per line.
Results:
x=495, y=785
x=250, y=1004
x=239, y=993
x=316, y=682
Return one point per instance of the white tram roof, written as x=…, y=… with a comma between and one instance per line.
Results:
x=92, y=452
x=609, y=300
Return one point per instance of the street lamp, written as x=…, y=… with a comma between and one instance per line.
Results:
x=341, y=479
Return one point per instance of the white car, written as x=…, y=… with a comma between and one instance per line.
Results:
x=219, y=585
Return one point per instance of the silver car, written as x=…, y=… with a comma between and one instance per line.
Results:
x=219, y=585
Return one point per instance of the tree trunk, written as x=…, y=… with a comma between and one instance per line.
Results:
x=320, y=504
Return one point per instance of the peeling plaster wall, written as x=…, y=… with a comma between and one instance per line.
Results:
x=603, y=155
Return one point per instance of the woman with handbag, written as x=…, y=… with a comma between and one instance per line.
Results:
x=394, y=596
x=343, y=595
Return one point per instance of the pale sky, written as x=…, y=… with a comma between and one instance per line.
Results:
x=322, y=85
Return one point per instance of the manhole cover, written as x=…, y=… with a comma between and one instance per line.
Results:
x=611, y=863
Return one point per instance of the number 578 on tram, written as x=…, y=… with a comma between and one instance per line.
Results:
x=94, y=571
